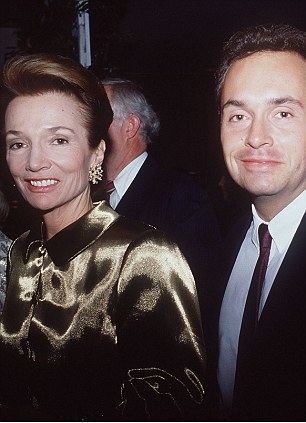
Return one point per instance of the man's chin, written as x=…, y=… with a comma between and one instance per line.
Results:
x=262, y=187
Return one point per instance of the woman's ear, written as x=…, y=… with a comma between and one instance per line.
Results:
x=99, y=153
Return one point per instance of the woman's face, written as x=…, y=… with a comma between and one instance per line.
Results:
x=47, y=149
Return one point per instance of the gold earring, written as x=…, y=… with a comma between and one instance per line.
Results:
x=95, y=173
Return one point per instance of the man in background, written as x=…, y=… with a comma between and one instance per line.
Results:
x=262, y=338
x=140, y=188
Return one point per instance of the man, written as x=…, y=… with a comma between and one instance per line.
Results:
x=262, y=338
x=142, y=189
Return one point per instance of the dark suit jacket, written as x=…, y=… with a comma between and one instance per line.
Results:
x=174, y=203
x=275, y=378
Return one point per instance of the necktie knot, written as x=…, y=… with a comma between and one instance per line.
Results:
x=109, y=187
x=265, y=238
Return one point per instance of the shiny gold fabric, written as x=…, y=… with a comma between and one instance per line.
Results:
x=100, y=322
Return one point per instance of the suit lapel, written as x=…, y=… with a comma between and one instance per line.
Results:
x=290, y=281
x=231, y=249
x=140, y=189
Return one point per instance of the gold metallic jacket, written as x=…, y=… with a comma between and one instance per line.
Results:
x=100, y=322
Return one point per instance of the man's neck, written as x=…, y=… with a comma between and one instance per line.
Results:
x=268, y=207
x=115, y=162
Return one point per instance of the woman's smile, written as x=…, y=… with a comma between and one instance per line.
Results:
x=42, y=185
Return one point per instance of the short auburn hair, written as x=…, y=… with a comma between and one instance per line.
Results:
x=36, y=74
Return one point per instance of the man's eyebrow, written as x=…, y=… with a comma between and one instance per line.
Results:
x=235, y=103
x=278, y=101
x=282, y=100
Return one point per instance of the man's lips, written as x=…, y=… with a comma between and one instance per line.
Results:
x=259, y=163
x=259, y=160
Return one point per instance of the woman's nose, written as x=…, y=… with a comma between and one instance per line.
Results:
x=37, y=160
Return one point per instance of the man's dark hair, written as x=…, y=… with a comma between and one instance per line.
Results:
x=256, y=39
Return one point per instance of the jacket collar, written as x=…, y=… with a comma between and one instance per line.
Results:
x=150, y=178
x=75, y=238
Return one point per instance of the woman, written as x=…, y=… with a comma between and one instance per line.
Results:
x=101, y=318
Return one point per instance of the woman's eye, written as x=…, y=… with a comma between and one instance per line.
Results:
x=60, y=141
x=16, y=146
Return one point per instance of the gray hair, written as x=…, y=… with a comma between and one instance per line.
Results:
x=127, y=98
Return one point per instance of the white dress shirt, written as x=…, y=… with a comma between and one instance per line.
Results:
x=125, y=178
x=282, y=229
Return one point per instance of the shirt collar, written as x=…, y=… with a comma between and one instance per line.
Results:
x=284, y=225
x=73, y=239
x=127, y=175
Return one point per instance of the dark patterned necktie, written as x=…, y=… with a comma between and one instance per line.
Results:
x=251, y=309
x=108, y=189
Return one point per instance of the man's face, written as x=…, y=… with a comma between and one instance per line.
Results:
x=116, y=131
x=263, y=128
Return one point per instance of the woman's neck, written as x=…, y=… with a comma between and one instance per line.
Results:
x=57, y=219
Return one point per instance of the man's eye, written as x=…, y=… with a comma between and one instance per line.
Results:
x=282, y=115
x=237, y=118
x=60, y=141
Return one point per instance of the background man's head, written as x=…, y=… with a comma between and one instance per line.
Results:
x=127, y=99
x=134, y=126
x=262, y=91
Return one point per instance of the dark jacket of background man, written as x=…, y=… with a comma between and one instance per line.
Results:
x=164, y=198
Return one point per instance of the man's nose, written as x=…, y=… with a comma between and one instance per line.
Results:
x=259, y=134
